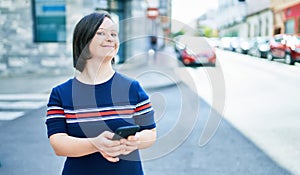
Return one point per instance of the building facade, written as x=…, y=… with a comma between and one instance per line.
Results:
x=292, y=19
x=27, y=47
x=258, y=17
x=230, y=16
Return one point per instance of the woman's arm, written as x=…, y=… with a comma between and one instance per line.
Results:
x=147, y=138
x=141, y=140
x=65, y=145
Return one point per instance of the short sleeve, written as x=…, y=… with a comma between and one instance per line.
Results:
x=143, y=113
x=55, y=120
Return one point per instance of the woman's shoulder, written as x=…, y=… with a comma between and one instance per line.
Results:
x=124, y=78
x=126, y=82
x=67, y=84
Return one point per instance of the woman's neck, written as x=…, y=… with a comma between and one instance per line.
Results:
x=96, y=74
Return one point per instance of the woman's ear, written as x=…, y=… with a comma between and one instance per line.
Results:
x=113, y=60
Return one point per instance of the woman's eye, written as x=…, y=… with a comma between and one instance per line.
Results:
x=100, y=33
x=114, y=34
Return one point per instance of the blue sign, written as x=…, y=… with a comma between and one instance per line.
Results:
x=52, y=8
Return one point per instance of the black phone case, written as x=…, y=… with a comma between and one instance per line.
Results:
x=125, y=131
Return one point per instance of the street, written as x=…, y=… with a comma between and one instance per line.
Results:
x=228, y=151
x=242, y=139
x=261, y=102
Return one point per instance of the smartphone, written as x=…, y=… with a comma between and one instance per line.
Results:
x=125, y=131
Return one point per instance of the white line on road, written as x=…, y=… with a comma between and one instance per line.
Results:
x=10, y=115
x=9, y=97
x=13, y=106
x=21, y=105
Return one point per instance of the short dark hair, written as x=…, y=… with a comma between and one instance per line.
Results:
x=84, y=32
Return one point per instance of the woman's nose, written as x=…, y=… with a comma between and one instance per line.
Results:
x=109, y=38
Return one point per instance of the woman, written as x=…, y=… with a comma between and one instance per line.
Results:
x=84, y=111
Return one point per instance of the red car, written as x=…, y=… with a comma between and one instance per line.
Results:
x=284, y=46
x=195, y=51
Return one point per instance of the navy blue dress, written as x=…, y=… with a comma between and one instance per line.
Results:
x=85, y=111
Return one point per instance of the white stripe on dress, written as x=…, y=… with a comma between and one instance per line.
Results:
x=143, y=111
x=129, y=107
x=79, y=120
x=142, y=103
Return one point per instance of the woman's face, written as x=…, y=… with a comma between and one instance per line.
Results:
x=105, y=43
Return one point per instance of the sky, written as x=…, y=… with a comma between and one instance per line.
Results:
x=188, y=10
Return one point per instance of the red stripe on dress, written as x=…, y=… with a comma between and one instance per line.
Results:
x=142, y=107
x=99, y=114
x=53, y=112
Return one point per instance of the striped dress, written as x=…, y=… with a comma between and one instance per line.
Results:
x=85, y=111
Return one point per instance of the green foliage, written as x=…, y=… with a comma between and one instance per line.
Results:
x=208, y=31
x=180, y=32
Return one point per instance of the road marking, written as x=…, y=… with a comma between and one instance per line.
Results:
x=21, y=105
x=10, y=115
x=9, y=97
x=13, y=106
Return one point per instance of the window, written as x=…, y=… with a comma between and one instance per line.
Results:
x=299, y=25
x=289, y=26
x=49, y=20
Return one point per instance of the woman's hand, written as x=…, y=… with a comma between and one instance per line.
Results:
x=110, y=149
x=131, y=144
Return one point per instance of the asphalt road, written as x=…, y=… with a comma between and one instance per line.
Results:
x=261, y=102
x=227, y=152
x=181, y=116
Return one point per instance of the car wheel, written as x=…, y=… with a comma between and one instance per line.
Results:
x=288, y=59
x=178, y=56
x=270, y=56
x=263, y=54
x=259, y=55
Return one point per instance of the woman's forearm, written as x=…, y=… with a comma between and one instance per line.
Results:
x=147, y=138
x=65, y=145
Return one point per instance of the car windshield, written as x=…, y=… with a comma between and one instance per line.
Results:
x=294, y=40
x=262, y=40
x=196, y=44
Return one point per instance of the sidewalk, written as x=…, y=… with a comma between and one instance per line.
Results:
x=152, y=70
x=149, y=71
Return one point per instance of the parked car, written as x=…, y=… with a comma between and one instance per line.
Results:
x=284, y=46
x=195, y=51
x=214, y=42
x=259, y=47
x=235, y=44
x=245, y=45
x=238, y=44
x=225, y=43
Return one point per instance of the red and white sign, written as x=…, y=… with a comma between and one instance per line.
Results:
x=152, y=13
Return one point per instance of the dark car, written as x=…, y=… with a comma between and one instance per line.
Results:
x=284, y=46
x=259, y=47
x=195, y=51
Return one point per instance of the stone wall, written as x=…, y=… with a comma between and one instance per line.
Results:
x=18, y=53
